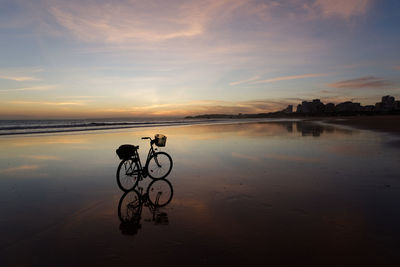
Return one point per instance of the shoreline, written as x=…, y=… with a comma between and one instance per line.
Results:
x=69, y=129
x=380, y=123
x=57, y=129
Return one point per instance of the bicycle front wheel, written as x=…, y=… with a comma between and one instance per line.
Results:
x=159, y=165
x=160, y=192
x=127, y=174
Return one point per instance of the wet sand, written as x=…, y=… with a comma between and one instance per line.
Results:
x=389, y=123
x=249, y=194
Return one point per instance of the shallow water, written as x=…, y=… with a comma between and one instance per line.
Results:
x=276, y=193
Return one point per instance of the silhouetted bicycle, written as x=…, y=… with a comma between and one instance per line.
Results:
x=130, y=171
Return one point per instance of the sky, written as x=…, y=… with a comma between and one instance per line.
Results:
x=129, y=58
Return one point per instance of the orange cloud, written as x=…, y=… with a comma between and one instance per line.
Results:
x=85, y=108
x=202, y=107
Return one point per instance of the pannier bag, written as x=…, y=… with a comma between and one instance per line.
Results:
x=160, y=140
x=126, y=151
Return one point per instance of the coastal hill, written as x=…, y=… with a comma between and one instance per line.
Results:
x=388, y=105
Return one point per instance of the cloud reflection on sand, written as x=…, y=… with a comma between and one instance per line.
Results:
x=280, y=157
x=19, y=169
x=291, y=158
x=244, y=156
x=41, y=157
x=50, y=140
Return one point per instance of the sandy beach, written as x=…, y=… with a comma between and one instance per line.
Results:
x=277, y=193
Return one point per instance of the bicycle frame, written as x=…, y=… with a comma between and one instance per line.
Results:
x=142, y=171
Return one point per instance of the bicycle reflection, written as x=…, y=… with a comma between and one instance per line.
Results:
x=158, y=194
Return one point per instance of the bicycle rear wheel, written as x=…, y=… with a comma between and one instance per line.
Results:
x=127, y=174
x=160, y=192
x=159, y=165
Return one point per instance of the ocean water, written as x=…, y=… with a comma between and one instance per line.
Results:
x=10, y=127
x=281, y=193
x=18, y=127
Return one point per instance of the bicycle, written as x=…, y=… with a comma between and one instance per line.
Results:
x=130, y=171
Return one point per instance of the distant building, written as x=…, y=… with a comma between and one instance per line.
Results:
x=298, y=109
x=369, y=108
x=378, y=106
x=305, y=107
x=396, y=105
x=330, y=108
x=289, y=109
x=348, y=106
x=314, y=107
x=388, y=103
x=317, y=106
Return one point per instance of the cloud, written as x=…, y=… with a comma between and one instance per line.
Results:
x=127, y=21
x=32, y=88
x=363, y=82
x=282, y=78
x=50, y=103
x=19, y=78
x=397, y=67
x=19, y=74
x=200, y=107
x=245, y=81
x=341, y=8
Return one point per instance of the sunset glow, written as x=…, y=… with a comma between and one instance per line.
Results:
x=80, y=59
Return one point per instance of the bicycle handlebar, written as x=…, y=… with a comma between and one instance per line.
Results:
x=146, y=138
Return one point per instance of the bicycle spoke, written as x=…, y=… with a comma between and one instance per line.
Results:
x=127, y=175
x=159, y=166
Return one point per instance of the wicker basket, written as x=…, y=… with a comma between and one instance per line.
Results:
x=160, y=140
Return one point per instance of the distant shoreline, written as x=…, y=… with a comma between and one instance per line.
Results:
x=389, y=123
x=56, y=127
